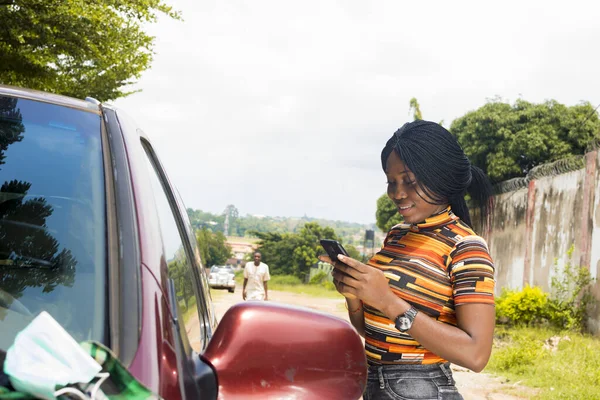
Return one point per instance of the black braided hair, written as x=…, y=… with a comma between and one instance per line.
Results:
x=443, y=171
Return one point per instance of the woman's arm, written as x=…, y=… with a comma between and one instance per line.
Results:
x=356, y=315
x=468, y=344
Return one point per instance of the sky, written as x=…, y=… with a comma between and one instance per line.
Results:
x=281, y=108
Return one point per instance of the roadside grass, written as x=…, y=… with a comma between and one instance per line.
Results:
x=287, y=283
x=292, y=284
x=569, y=369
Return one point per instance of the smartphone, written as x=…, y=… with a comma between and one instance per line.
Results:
x=333, y=248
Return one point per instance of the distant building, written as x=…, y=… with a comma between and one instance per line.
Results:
x=240, y=248
x=236, y=263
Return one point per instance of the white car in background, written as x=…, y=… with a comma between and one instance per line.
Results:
x=222, y=277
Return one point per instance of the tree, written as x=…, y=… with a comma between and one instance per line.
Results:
x=507, y=141
x=294, y=253
x=387, y=214
x=353, y=252
x=214, y=249
x=77, y=48
x=34, y=256
x=415, y=109
x=11, y=124
x=200, y=219
x=179, y=272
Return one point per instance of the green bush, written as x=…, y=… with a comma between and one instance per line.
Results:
x=566, y=307
x=571, y=296
x=318, y=278
x=523, y=307
x=328, y=285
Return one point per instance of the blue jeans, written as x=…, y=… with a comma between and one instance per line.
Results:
x=408, y=382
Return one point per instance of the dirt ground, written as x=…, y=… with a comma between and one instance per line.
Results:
x=471, y=385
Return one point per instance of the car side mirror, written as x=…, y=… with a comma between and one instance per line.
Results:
x=265, y=350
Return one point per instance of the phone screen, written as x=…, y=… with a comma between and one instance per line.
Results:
x=333, y=248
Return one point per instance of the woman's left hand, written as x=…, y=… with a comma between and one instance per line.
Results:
x=365, y=282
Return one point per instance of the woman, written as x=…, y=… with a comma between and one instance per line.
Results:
x=426, y=299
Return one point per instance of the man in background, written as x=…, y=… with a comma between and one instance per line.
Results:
x=256, y=275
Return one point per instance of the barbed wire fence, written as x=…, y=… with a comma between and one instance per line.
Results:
x=559, y=167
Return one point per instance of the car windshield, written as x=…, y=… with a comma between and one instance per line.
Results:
x=52, y=219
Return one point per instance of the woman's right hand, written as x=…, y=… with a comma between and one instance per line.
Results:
x=338, y=286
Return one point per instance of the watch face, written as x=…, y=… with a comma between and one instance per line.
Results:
x=403, y=324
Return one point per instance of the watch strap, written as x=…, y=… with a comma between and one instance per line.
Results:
x=411, y=313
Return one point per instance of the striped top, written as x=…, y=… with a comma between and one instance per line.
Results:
x=435, y=266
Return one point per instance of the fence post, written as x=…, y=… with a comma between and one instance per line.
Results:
x=529, y=217
x=589, y=191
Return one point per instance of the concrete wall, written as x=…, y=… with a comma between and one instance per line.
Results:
x=507, y=238
x=318, y=267
x=556, y=225
x=533, y=227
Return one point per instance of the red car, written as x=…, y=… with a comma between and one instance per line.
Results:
x=93, y=232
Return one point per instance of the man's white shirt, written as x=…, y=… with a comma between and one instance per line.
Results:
x=256, y=275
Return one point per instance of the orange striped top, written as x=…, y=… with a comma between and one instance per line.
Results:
x=435, y=266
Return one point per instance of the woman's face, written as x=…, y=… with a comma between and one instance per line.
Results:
x=404, y=191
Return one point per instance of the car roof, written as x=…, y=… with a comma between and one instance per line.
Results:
x=89, y=104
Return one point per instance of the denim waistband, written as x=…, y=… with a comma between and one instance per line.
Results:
x=407, y=371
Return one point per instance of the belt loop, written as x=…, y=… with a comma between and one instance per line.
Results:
x=380, y=375
x=446, y=370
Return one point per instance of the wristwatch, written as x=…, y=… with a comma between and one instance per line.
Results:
x=404, y=321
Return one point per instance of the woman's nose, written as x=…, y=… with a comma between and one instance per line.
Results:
x=399, y=193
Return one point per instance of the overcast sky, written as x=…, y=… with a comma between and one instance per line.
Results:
x=282, y=107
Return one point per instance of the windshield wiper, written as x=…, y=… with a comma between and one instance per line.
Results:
x=15, y=260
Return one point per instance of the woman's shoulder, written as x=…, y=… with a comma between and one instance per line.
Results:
x=461, y=233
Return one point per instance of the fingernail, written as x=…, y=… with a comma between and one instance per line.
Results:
x=340, y=257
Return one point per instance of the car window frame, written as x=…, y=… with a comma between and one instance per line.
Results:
x=200, y=271
x=124, y=254
x=203, y=315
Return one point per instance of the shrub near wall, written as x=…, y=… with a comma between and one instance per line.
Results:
x=525, y=307
x=567, y=307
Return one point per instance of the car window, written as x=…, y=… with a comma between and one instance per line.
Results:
x=205, y=300
x=178, y=261
x=52, y=219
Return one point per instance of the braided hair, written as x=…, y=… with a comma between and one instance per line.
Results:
x=442, y=170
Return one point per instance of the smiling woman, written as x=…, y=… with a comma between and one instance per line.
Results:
x=426, y=299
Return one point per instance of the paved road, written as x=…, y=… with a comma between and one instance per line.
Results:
x=471, y=385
